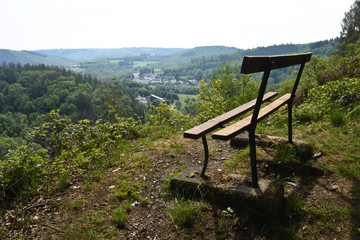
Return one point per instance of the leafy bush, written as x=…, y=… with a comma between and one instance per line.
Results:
x=165, y=121
x=226, y=90
x=64, y=150
x=340, y=95
x=22, y=171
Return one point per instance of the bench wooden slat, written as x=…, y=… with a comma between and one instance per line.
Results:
x=254, y=64
x=238, y=127
x=211, y=125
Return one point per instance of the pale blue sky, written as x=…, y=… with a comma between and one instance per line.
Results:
x=45, y=24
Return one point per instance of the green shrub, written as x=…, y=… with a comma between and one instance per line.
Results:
x=119, y=217
x=165, y=121
x=337, y=118
x=22, y=171
x=68, y=149
x=342, y=95
x=226, y=90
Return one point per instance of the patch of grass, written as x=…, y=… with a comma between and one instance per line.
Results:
x=239, y=162
x=352, y=172
x=127, y=189
x=180, y=148
x=285, y=154
x=294, y=204
x=119, y=217
x=223, y=228
x=356, y=131
x=76, y=203
x=184, y=212
x=166, y=185
x=337, y=118
x=326, y=217
x=92, y=225
x=351, y=157
x=355, y=190
x=140, y=161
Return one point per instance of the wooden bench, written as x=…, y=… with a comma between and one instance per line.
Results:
x=252, y=64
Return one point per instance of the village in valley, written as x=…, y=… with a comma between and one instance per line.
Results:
x=155, y=78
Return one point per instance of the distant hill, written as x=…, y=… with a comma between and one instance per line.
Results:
x=175, y=62
x=198, y=52
x=101, y=53
x=30, y=57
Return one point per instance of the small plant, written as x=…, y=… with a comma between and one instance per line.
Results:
x=64, y=181
x=167, y=179
x=238, y=162
x=285, y=154
x=119, y=217
x=180, y=148
x=294, y=204
x=77, y=203
x=183, y=212
x=337, y=118
x=223, y=229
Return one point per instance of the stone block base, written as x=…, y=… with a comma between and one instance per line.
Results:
x=231, y=190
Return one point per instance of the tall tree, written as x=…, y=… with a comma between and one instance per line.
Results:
x=350, y=32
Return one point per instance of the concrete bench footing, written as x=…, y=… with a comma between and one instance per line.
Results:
x=230, y=190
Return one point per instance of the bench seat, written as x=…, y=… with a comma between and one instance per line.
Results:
x=241, y=126
x=209, y=126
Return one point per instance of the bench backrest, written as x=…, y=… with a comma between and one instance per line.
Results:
x=254, y=64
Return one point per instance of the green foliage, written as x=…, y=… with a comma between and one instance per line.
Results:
x=68, y=150
x=350, y=171
x=285, y=153
x=119, y=217
x=184, y=212
x=350, y=32
x=227, y=89
x=337, y=118
x=165, y=121
x=238, y=162
x=22, y=171
x=341, y=95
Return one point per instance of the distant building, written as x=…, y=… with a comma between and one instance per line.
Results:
x=153, y=97
x=142, y=100
x=149, y=99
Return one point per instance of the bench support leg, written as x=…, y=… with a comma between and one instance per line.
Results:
x=254, y=180
x=206, y=154
x=290, y=122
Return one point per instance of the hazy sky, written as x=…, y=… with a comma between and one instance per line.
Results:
x=45, y=24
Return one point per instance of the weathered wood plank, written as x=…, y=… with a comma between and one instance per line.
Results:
x=254, y=64
x=240, y=126
x=205, y=128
